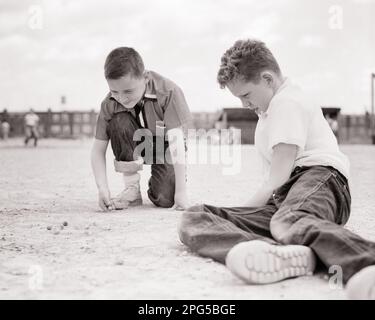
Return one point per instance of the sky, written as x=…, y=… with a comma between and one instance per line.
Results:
x=55, y=48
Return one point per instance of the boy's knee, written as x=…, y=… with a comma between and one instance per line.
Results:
x=290, y=227
x=279, y=231
x=161, y=193
x=164, y=202
x=161, y=200
x=280, y=227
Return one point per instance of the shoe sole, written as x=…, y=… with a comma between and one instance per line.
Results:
x=258, y=262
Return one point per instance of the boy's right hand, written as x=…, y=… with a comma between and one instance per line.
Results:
x=105, y=202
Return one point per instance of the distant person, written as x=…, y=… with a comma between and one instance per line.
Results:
x=31, y=127
x=5, y=128
x=368, y=123
x=140, y=101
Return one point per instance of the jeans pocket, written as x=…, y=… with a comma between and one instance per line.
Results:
x=346, y=206
x=344, y=196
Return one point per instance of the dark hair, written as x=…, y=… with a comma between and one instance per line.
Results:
x=123, y=61
x=246, y=59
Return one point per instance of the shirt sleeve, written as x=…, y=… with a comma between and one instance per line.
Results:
x=288, y=124
x=177, y=113
x=102, y=123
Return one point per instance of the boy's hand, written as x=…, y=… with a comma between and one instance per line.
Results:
x=105, y=202
x=181, y=201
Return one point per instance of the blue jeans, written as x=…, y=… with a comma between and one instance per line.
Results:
x=309, y=209
x=121, y=129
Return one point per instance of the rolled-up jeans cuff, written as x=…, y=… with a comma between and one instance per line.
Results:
x=128, y=167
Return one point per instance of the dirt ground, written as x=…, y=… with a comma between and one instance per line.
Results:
x=133, y=254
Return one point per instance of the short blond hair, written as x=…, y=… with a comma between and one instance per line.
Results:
x=246, y=59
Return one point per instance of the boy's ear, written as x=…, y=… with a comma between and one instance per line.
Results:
x=145, y=75
x=267, y=76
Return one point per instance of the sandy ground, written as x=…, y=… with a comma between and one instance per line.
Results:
x=134, y=254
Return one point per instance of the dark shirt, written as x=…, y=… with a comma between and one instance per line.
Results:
x=163, y=101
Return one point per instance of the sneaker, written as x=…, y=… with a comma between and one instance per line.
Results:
x=258, y=262
x=130, y=197
x=361, y=286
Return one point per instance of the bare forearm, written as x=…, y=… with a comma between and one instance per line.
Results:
x=98, y=164
x=178, y=156
x=180, y=177
x=181, y=201
x=281, y=168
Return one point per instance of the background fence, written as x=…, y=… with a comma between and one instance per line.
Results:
x=355, y=129
x=55, y=124
x=352, y=129
x=73, y=124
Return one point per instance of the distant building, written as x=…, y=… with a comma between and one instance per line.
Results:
x=332, y=116
x=332, y=112
x=240, y=118
x=204, y=120
x=246, y=120
x=348, y=128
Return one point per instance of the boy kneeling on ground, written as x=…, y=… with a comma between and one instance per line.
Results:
x=141, y=103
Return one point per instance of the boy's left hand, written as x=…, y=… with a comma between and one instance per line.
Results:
x=181, y=201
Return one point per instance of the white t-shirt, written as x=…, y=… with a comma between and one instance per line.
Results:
x=31, y=119
x=292, y=119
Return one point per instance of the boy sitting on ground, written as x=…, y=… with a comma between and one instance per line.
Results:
x=298, y=213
